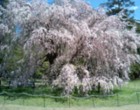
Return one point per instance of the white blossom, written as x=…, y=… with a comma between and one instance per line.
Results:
x=69, y=34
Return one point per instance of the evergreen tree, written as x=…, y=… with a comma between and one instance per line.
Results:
x=138, y=26
x=3, y=2
x=116, y=6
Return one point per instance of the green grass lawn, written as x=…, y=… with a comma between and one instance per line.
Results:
x=129, y=94
x=17, y=107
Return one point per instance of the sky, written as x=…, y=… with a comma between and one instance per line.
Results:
x=96, y=3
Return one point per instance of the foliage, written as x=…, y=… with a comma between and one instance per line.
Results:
x=116, y=6
x=42, y=70
x=138, y=27
x=64, y=33
x=3, y=2
x=135, y=71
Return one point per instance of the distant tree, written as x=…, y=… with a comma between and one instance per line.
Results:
x=135, y=71
x=116, y=6
x=3, y=2
x=138, y=25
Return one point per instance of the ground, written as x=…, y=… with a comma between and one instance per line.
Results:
x=15, y=107
x=129, y=95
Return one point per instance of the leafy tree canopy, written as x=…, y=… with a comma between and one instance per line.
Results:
x=116, y=6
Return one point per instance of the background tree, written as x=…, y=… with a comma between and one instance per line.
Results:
x=3, y=2
x=2, y=52
x=138, y=26
x=116, y=6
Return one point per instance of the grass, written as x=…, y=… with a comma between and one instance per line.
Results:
x=126, y=96
x=17, y=107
